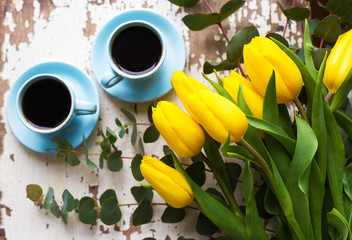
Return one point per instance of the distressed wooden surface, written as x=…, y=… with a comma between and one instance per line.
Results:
x=34, y=31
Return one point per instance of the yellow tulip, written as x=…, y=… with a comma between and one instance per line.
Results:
x=339, y=62
x=184, y=85
x=179, y=130
x=218, y=115
x=167, y=182
x=253, y=98
x=261, y=56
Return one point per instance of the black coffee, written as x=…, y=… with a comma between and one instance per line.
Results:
x=136, y=50
x=46, y=103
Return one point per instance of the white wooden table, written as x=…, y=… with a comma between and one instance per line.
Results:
x=34, y=31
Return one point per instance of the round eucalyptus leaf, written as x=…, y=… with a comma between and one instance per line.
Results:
x=140, y=192
x=173, y=215
x=328, y=29
x=235, y=48
x=87, y=214
x=168, y=160
x=135, y=167
x=106, y=195
x=205, y=226
x=234, y=172
x=230, y=7
x=184, y=3
x=68, y=200
x=278, y=37
x=151, y=134
x=110, y=212
x=209, y=67
x=115, y=161
x=318, y=56
x=297, y=13
x=143, y=213
x=197, y=22
x=197, y=172
x=34, y=192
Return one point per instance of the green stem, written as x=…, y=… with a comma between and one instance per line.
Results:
x=260, y=161
x=301, y=109
x=228, y=194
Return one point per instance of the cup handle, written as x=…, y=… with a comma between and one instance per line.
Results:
x=110, y=78
x=85, y=108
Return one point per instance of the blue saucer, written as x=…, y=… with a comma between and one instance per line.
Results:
x=84, y=89
x=159, y=84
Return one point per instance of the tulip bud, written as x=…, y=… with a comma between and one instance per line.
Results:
x=179, y=130
x=261, y=56
x=167, y=182
x=339, y=62
x=184, y=85
x=253, y=98
x=218, y=115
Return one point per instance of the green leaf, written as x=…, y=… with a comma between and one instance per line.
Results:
x=129, y=115
x=318, y=56
x=197, y=22
x=87, y=214
x=234, y=172
x=230, y=7
x=173, y=215
x=90, y=164
x=347, y=181
x=270, y=107
x=345, y=121
x=236, y=151
x=214, y=209
x=328, y=29
x=134, y=134
x=115, y=161
x=150, y=114
x=141, y=192
x=65, y=147
x=106, y=195
x=135, y=167
x=184, y=3
x=338, y=7
x=274, y=131
x=151, y=134
x=297, y=13
x=205, y=226
x=298, y=182
x=197, y=172
x=54, y=208
x=308, y=53
x=318, y=121
x=254, y=226
x=68, y=200
x=118, y=123
x=336, y=219
x=64, y=215
x=34, y=192
x=110, y=212
x=210, y=67
x=235, y=48
x=341, y=94
x=122, y=132
x=143, y=213
x=335, y=158
x=278, y=37
x=48, y=198
x=111, y=135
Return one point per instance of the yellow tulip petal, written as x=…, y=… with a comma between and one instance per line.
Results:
x=167, y=182
x=189, y=133
x=184, y=85
x=339, y=62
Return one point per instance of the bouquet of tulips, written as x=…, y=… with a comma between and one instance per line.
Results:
x=289, y=120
